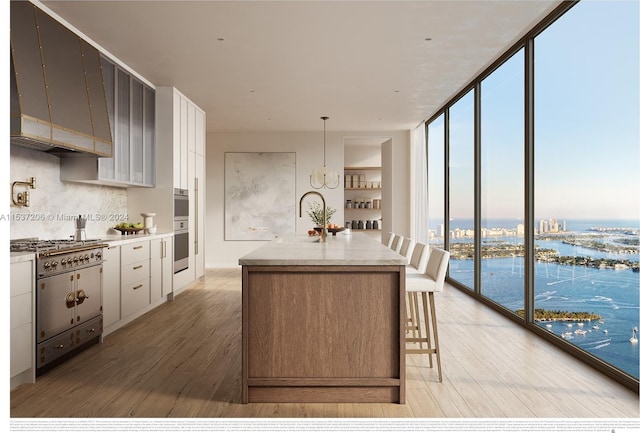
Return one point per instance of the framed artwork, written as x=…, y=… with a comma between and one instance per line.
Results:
x=259, y=195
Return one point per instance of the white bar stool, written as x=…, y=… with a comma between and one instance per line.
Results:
x=426, y=284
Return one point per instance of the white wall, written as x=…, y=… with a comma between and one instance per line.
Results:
x=308, y=148
x=55, y=204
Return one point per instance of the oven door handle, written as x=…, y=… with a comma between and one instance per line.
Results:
x=81, y=295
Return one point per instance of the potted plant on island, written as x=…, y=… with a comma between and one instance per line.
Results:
x=316, y=215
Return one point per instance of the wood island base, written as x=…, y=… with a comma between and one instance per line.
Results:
x=323, y=334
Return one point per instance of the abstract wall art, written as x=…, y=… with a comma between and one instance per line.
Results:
x=260, y=195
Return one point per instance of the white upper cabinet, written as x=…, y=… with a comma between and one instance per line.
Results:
x=131, y=107
x=187, y=128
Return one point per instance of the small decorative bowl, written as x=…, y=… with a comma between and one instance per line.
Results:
x=131, y=231
x=333, y=231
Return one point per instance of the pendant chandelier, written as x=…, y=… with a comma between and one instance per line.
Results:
x=324, y=177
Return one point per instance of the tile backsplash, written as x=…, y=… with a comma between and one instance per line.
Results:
x=54, y=204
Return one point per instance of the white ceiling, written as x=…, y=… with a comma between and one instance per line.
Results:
x=283, y=64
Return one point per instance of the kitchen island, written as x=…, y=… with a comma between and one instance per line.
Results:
x=323, y=321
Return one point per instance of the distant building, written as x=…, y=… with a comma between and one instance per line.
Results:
x=520, y=230
x=543, y=226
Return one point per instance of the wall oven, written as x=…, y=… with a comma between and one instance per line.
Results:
x=180, y=230
x=180, y=246
x=180, y=204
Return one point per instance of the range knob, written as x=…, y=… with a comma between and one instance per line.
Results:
x=98, y=255
x=86, y=257
x=47, y=265
x=63, y=262
x=54, y=264
x=75, y=259
x=81, y=258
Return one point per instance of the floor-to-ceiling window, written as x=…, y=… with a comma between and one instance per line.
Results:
x=435, y=173
x=461, y=190
x=502, y=183
x=557, y=189
x=587, y=180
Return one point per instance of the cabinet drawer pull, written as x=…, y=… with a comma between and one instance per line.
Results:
x=138, y=247
x=137, y=287
x=137, y=267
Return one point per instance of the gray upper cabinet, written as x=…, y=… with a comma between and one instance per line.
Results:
x=131, y=108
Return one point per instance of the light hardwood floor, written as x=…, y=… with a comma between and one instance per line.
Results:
x=183, y=360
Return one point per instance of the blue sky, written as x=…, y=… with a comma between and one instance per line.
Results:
x=587, y=139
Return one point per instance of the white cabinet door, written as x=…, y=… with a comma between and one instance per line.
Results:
x=22, y=277
x=177, y=134
x=184, y=139
x=167, y=265
x=156, y=251
x=200, y=182
x=191, y=127
x=111, y=285
x=201, y=131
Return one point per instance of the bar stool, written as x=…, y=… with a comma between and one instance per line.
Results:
x=417, y=265
x=407, y=247
x=426, y=284
x=389, y=240
x=418, y=260
x=397, y=243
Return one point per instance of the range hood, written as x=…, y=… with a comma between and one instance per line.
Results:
x=58, y=101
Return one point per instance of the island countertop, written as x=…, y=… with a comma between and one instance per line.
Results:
x=356, y=249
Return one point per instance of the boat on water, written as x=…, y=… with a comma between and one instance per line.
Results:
x=634, y=335
x=605, y=331
x=596, y=327
x=548, y=325
x=580, y=332
x=580, y=324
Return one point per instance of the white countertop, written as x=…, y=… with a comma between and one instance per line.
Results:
x=22, y=256
x=111, y=240
x=357, y=249
x=114, y=240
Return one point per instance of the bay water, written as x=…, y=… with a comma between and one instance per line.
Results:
x=614, y=294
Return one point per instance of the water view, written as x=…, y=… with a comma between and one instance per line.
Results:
x=587, y=284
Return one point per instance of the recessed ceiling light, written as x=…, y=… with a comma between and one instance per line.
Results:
x=221, y=39
x=427, y=39
x=252, y=91
x=396, y=91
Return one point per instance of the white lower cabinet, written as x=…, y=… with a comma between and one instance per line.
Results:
x=134, y=277
x=167, y=267
x=21, y=318
x=161, y=267
x=137, y=277
x=111, y=286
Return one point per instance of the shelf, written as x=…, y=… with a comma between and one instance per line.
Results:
x=362, y=208
x=361, y=168
x=366, y=230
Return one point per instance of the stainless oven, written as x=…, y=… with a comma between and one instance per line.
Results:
x=180, y=246
x=180, y=230
x=180, y=204
x=68, y=297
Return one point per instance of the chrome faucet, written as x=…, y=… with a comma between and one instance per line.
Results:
x=323, y=234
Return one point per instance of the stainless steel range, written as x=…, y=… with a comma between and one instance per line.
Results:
x=68, y=297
